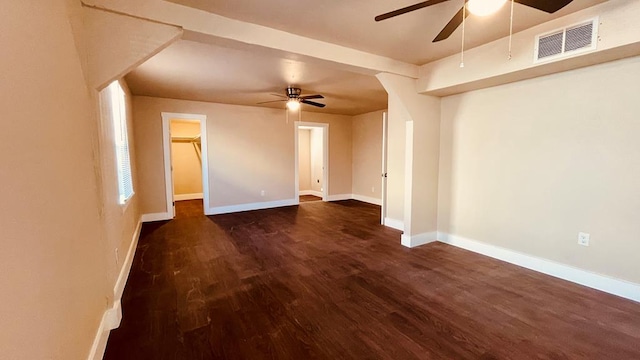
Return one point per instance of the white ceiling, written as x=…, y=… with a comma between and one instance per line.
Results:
x=192, y=70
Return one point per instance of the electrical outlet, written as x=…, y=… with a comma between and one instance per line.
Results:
x=373, y=189
x=117, y=257
x=261, y=192
x=583, y=239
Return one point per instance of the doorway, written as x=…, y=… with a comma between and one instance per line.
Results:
x=185, y=159
x=311, y=161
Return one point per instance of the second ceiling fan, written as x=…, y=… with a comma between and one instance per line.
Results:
x=294, y=99
x=548, y=6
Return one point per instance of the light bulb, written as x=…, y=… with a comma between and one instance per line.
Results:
x=293, y=104
x=484, y=7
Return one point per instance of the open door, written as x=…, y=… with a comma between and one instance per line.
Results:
x=383, y=208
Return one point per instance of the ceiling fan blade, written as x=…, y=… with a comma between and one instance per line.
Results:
x=272, y=101
x=452, y=25
x=549, y=6
x=311, y=97
x=407, y=9
x=312, y=103
x=279, y=95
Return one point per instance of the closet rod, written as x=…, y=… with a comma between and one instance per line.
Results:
x=185, y=139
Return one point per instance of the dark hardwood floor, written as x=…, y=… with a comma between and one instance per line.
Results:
x=307, y=198
x=326, y=281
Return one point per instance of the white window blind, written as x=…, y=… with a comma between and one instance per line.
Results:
x=118, y=110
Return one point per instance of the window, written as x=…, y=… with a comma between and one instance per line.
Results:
x=116, y=107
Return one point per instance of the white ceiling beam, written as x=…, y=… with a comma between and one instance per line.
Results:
x=488, y=65
x=210, y=27
x=117, y=44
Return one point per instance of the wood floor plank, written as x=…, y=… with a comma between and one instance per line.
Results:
x=327, y=281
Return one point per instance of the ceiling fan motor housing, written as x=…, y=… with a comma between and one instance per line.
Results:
x=293, y=93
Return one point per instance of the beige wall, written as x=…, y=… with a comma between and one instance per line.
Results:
x=304, y=159
x=250, y=149
x=187, y=169
x=58, y=264
x=526, y=166
x=147, y=127
x=367, y=154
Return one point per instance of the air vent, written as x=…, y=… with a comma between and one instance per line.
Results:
x=566, y=42
x=550, y=45
x=579, y=37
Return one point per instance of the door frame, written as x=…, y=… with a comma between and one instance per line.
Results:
x=383, y=175
x=166, y=144
x=325, y=157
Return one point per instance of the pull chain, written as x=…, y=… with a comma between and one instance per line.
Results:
x=511, y=30
x=464, y=16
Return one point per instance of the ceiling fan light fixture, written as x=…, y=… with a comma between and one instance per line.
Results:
x=485, y=7
x=293, y=104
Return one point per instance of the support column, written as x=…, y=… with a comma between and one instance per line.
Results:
x=421, y=115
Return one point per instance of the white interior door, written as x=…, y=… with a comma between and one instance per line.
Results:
x=383, y=208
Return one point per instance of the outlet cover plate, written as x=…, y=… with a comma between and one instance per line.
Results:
x=583, y=239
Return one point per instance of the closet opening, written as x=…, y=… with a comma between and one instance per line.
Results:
x=186, y=174
x=312, y=158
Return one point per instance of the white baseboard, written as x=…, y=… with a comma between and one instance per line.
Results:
x=393, y=223
x=339, y=197
x=111, y=319
x=194, y=196
x=311, y=192
x=112, y=316
x=118, y=289
x=156, y=217
x=252, y=206
x=604, y=283
x=419, y=239
x=102, y=336
x=367, y=199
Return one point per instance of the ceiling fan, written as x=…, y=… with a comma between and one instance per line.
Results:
x=478, y=7
x=293, y=99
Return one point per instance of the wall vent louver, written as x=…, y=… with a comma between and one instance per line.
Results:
x=550, y=45
x=567, y=42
